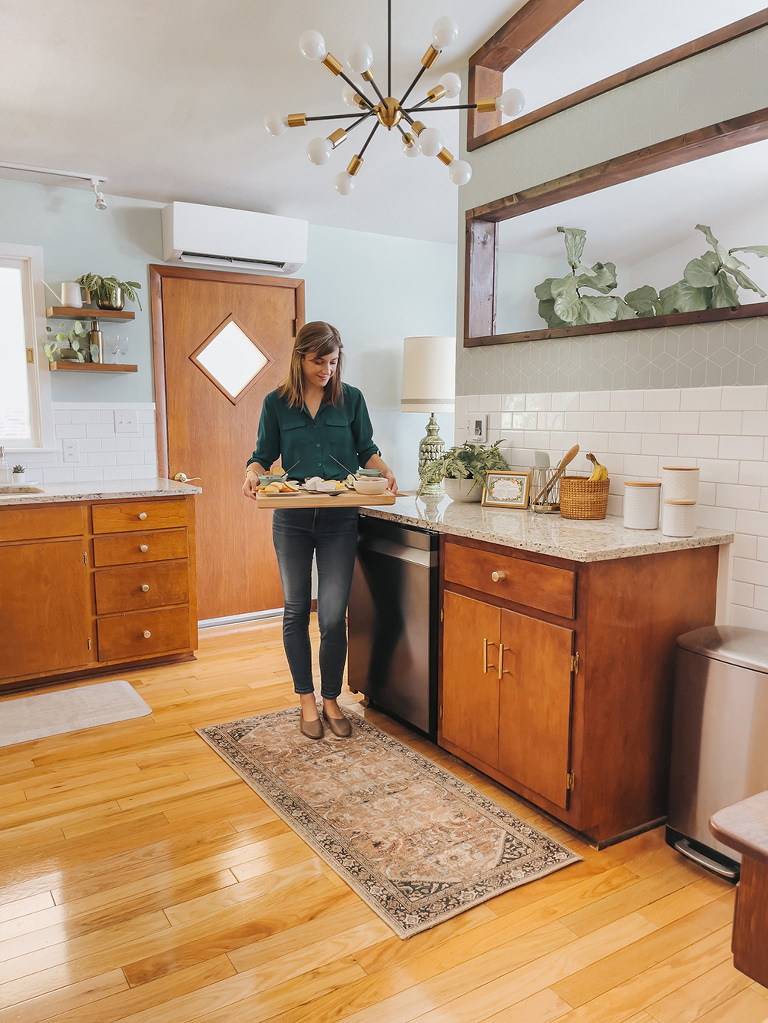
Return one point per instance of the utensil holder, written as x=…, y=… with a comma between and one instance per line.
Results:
x=582, y=498
x=549, y=502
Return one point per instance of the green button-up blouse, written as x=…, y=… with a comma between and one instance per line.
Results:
x=305, y=445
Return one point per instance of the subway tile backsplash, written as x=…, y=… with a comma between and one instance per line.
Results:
x=102, y=453
x=722, y=430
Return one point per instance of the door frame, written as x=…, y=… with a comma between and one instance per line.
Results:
x=157, y=272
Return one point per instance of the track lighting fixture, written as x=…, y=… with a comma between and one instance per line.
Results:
x=100, y=203
x=95, y=179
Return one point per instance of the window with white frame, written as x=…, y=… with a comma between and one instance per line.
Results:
x=24, y=394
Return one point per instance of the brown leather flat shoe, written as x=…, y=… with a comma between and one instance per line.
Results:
x=312, y=729
x=339, y=726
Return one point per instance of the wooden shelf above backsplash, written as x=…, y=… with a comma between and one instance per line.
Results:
x=70, y=313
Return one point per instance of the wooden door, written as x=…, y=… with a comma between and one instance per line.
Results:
x=535, y=705
x=470, y=693
x=46, y=608
x=208, y=430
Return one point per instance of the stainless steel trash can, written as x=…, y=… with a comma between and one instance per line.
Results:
x=719, y=733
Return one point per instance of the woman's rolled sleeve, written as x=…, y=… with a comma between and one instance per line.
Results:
x=268, y=439
x=362, y=431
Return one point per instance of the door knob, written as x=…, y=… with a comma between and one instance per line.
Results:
x=181, y=477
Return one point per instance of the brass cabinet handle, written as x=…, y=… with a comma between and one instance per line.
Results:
x=485, y=656
x=143, y=548
x=142, y=515
x=498, y=576
x=501, y=660
x=147, y=634
x=145, y=588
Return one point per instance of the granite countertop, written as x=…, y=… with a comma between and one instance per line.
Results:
x=576, y=540
x=56, y=493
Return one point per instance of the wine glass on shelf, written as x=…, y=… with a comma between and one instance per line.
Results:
x=122, y=345
x=112, y=343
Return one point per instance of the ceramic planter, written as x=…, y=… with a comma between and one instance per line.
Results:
x=463, y=490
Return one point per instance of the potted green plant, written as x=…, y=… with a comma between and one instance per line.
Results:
x=109, y=292
x=18, y=473
x=462, y=470
x=72, y=343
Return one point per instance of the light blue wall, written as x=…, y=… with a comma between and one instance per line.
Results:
x=376, y=289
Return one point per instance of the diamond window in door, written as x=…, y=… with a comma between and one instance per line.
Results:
x=231, y=359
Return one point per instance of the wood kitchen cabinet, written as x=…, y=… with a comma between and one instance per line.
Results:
x=556, y=676
x=90, y=585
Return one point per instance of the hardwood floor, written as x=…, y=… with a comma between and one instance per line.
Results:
x=144, y=882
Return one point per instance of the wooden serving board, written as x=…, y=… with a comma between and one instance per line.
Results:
x=314, y=499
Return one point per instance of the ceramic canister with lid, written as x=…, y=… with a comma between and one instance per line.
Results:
x=680, y=483
x=678, y=518
x=641, y=504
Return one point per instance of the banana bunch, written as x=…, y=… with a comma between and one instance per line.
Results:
x=599, y=472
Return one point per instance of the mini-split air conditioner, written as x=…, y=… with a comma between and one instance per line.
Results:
x=233, y=239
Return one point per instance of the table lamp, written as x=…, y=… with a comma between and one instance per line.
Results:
x=429, y=385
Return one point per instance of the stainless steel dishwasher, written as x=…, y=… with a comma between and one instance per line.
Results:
x=393, y=621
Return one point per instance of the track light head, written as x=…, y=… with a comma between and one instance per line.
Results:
x=100, y=201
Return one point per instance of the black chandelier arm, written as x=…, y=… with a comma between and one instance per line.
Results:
x=452, y=106
x=389, y=47
x=365, y=146
x=359, y=121
x=362, y=96
x=335, y=117
x=407, y=117
x=372, y=80
x=411, y=87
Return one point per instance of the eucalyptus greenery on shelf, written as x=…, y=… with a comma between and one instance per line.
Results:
x=465, y=461
x=72, y=338
x=106, y=291
x=711, y=281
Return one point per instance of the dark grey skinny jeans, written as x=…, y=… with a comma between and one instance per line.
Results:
x=330, y=536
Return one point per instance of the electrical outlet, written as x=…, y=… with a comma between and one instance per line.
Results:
x=477, y=429
x=126, y=420
x=71, y=451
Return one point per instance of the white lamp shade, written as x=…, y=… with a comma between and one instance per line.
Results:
x=429, y=374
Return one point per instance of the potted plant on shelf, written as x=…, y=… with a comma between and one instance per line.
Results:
x=462, y=470
x=18, y=473
x=109, y=292
x=71, y=344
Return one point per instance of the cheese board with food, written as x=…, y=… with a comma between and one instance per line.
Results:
x=362, y=488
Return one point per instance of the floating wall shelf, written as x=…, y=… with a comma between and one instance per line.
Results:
x=67, y=312
x=92, y=367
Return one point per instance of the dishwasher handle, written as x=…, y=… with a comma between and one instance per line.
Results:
x=391, y=549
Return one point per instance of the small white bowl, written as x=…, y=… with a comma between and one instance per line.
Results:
x=371, y=487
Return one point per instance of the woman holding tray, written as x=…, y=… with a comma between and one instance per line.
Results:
x=317, y=426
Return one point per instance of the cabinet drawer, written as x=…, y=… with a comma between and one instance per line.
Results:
x=543, y=587
x=143, y=634
x=139, y=548
x=118, y=517
x=41, y=523
x=141, y=586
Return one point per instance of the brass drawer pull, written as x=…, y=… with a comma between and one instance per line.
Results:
x=501, y=660
x=498, y=576
x=147, y=634
x=145, y=588
x=142, y=515
x=143, y=548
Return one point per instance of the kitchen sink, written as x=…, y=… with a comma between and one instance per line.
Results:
x=7, y=491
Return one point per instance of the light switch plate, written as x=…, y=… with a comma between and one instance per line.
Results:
x=477, y=428
x=126, y=420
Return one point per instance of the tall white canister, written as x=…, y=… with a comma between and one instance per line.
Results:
x=680, y=483
x=641, y=504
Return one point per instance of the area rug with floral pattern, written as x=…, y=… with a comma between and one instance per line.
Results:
x=416, y=843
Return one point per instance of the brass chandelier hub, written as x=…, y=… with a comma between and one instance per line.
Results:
x=388, y=112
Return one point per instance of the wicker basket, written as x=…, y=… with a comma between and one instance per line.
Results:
x=581, y=498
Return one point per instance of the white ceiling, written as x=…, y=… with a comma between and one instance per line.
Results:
x=167, y=99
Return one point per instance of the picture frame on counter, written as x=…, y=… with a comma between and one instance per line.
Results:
x=506, y=489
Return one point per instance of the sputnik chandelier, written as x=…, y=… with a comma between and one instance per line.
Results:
x=389, y=112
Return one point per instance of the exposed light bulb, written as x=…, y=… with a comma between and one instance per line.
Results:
x=359, y=57
x=459, y=171
x=430, y=142
x=511, y=102
x=451, y=83
x=348, y=96
x=344, y=183
x=276, y=124
x=444, y=32
x=412, y=150
x=312, y=45
x=319, y=151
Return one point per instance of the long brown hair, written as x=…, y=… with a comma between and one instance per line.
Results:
x=314, y=338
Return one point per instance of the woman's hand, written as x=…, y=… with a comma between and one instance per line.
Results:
x=377, y=462
x=390, y=476
x=251, y=482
